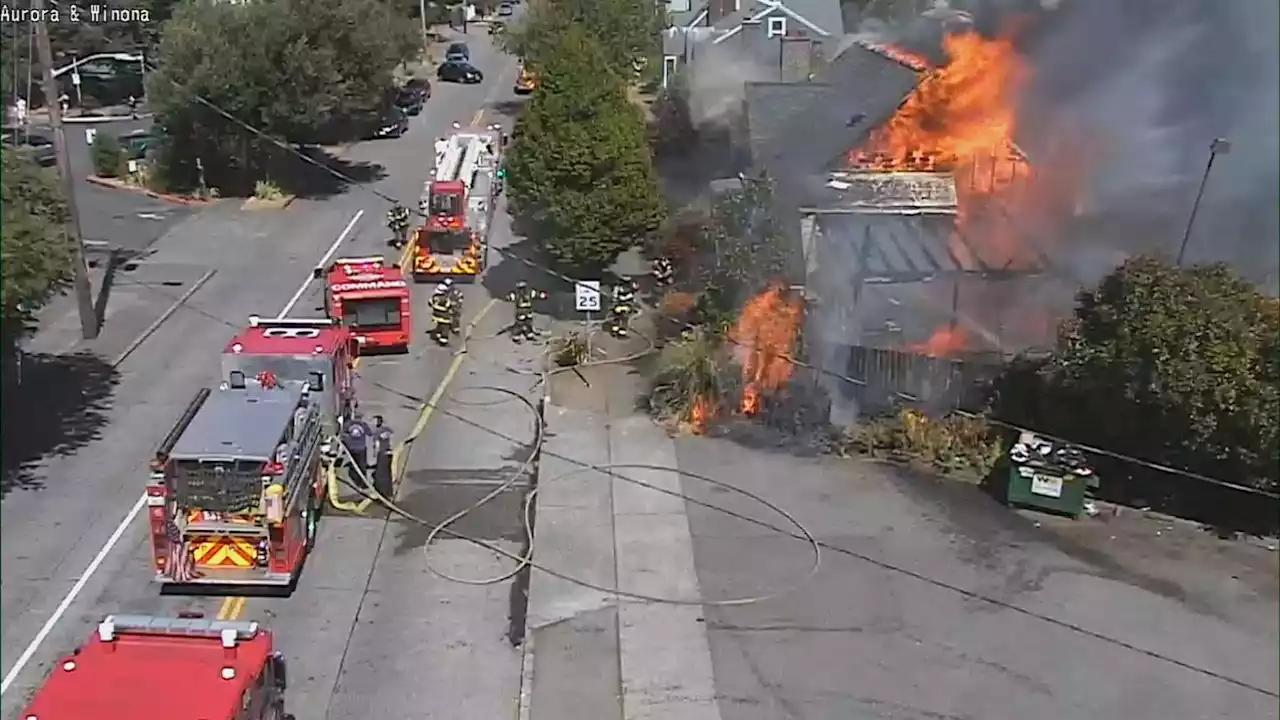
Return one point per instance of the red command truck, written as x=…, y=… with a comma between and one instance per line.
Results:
x=459, y=204
x=371, y=298
x=147, y=668
x=238, y=485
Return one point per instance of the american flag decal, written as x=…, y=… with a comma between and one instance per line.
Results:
x=182, y=562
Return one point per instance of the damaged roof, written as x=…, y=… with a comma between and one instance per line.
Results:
x=804, y=129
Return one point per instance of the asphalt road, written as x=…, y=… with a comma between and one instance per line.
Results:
x=413, y=640
x=934, y=603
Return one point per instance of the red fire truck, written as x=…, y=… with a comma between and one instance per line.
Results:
x=147, y=668
x=371, y=298
x=237, y=486
x=459, y=204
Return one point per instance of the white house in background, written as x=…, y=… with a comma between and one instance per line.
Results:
x=789, y=35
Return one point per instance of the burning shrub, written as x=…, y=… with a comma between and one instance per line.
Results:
x=952, y=444
x=688, y=381
x=570, y=350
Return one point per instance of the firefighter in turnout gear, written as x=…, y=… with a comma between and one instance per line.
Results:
x=523, y=297
x=455, y=299
x=664, y=272
x=398, y=224
x=445, y=315
x=624, y=304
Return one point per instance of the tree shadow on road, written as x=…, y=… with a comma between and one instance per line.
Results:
x=525, y=261
x=508, y=108
x=59, y=406
x=322, y=174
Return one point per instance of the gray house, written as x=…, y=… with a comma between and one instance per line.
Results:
x=780, y=39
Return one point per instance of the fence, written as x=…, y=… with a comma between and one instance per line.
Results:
x=893, y=378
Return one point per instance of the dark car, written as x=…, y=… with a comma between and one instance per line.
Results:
x=410, y=100
x=391, y=123
x=459, y=72
x=457, y=52
x=37, y=147
x=136, y=144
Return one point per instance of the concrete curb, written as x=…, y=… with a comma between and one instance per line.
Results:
x=121, y=185
x=258, y=205
x=90, y=119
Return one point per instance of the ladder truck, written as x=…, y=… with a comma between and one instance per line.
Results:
x=459, y=204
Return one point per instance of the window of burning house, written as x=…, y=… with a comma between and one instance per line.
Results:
x=445, y=203
x=372, y=313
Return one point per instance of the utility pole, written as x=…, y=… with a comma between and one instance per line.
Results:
x=1218, y=147
x=79, y=268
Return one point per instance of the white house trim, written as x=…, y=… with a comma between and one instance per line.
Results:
x=777, y=27
x=770, y=7
x=700, y=17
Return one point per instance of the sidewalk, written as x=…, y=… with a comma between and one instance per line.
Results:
x=589, y=656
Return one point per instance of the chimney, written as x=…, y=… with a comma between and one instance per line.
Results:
x=795, y=59
x=717, y=9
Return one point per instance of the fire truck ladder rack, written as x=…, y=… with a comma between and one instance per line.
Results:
x=175, y=433
x=460, y=159
x=231, y=631
x=257, y=321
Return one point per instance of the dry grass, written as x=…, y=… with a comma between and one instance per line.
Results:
x=684, y=371
x=955, y=444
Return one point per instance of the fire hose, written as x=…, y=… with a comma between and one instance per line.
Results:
x=365, y=487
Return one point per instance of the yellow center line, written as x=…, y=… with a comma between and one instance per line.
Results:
x=475, y=120
x=231, y=608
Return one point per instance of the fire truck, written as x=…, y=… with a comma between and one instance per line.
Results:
x=237, y=486
x=136, y=667
x=371, y=298
x=459, y=204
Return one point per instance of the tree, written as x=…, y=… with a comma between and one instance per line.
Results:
x=35, y=260
x=580, y=167
x=285, y=69
x=627, y=31
x=1176, y=366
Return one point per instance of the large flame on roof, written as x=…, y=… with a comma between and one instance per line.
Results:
x=962, y=119
x=764, y=337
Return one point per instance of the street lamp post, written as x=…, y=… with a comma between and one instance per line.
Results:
x=1218, y=147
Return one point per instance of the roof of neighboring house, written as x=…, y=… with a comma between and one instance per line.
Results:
x=814, y=17
x=803, y=129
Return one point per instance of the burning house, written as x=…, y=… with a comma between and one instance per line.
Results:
x=912, y=205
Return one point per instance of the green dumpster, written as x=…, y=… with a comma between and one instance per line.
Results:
x=1047, y=475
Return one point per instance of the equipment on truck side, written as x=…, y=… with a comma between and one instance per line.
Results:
x=137, y=667
x=459, y=204
x=237, y=486
x=370, y=297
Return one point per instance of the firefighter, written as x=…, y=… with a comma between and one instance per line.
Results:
x=664, y=272
x=398, y=224
x=444, y=314
x=624, y=300
x=455, y=297
x=523, y=297
x=383, y=452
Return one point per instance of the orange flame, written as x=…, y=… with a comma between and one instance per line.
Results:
x=699, y=414
x=944, y=342
x=765, y=336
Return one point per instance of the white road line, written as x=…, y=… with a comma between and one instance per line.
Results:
x=332, y=249
x=119, y=532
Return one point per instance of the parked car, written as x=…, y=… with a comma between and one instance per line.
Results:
x=35, y=146
x=390, y=123
x=410, y=100
x=136, y=144
x=505, y=9
x=418, y=84
x=457, y=52
x=459, y=72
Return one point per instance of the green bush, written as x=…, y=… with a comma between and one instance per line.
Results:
x=689, y=374
x=952, y=444
x=108, y=156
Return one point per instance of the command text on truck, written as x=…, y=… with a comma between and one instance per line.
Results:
x=136, y=667
x=459, y=204
x=370, y=297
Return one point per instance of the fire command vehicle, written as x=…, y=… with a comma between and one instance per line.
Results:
x=136, y=667
x=459, y=204
x=237, y=486
x=370, y=297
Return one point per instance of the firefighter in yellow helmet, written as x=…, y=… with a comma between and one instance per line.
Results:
x=444, y=314
x=398, y=224
x=624, y=306
x=523, y=296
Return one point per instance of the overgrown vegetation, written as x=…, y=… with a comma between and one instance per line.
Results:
x=581, y=172
x=955, y=443
x=108, y=157
x=687, y=372
x=35, y=258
